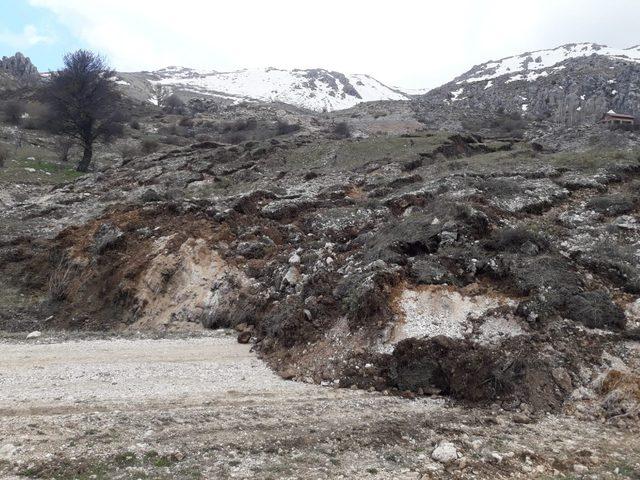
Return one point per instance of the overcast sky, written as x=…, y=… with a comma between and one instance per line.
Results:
x=406, y=43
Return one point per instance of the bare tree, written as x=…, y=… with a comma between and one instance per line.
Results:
x=19, y=138
x=159, y=94
x=84, y=102
x=63, y=147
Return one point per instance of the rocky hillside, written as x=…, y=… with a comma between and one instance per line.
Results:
x=419, y=264
x=358, y=249
x=17, y=71
x=315, y=89
x=569, y=85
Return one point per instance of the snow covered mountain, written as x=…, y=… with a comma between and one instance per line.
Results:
x=532, y=65
x=315, y=89
x=568, y=85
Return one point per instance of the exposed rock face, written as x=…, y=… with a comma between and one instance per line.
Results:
x=570, y=85
x=21, y=68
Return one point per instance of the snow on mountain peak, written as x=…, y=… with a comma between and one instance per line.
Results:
x=527, y=66
x=315, y=89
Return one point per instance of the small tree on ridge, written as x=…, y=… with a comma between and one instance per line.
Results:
x=84, y=102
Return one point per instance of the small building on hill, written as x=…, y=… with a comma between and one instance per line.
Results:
x=612, y=117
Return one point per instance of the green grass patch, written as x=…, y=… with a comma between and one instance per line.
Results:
x=595, y=158
x=352, y=153
x=35, y=165
x=127, y=463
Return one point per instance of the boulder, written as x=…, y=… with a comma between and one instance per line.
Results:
x=445, y=452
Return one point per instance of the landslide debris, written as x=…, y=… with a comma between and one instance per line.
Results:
x=337, y=276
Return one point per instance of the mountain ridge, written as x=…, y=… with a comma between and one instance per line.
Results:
x=313, y=89
x=569, y=85
x=545, y=58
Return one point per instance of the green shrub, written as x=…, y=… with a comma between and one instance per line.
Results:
x=342, y=130
x=149, y=145
x=13, y=111
x=283, y=127
x=128, y=149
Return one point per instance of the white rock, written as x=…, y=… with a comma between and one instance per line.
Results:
x=294, y=259
x=35, y=334
x=7, y=451
x=580, y=468
x=445, y=452
x=293, y=275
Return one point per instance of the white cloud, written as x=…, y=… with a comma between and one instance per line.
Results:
x=29, y=37
x=410, y=43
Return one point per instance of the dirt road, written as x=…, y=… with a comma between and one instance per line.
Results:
x=205, y=407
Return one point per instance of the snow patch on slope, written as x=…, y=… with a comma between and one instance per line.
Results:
x=313, y=89
x=524, y=67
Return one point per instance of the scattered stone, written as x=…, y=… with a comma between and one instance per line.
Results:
x=445, y=452
x=562, y=378
x=107, y=236
x=521, y=418
x=495, y=457
x=288, y=373
x=293, y=276
x=150, y=195
x=244, y=337
x=580, y=469
x=294, y=259
x=7, y=451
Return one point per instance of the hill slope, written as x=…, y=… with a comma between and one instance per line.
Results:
x=571, y=84
x=315, y=89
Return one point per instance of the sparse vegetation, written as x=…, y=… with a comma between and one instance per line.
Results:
x=517, y=240
x=14, y=111
x=336, y=252
x=59, y=281
x=502, y=123
x=342, y=130
x=4, y=154
x=38, y=116
x=34, y=165
x=63, y=147
x=284, y=128
x=235, y=138
x=149, y=145
x=128, y=149
x=175, y=140
x=173, y=104
x=239, y=125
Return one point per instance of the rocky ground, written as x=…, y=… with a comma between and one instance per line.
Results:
x=202, y=406
x=488, y=286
